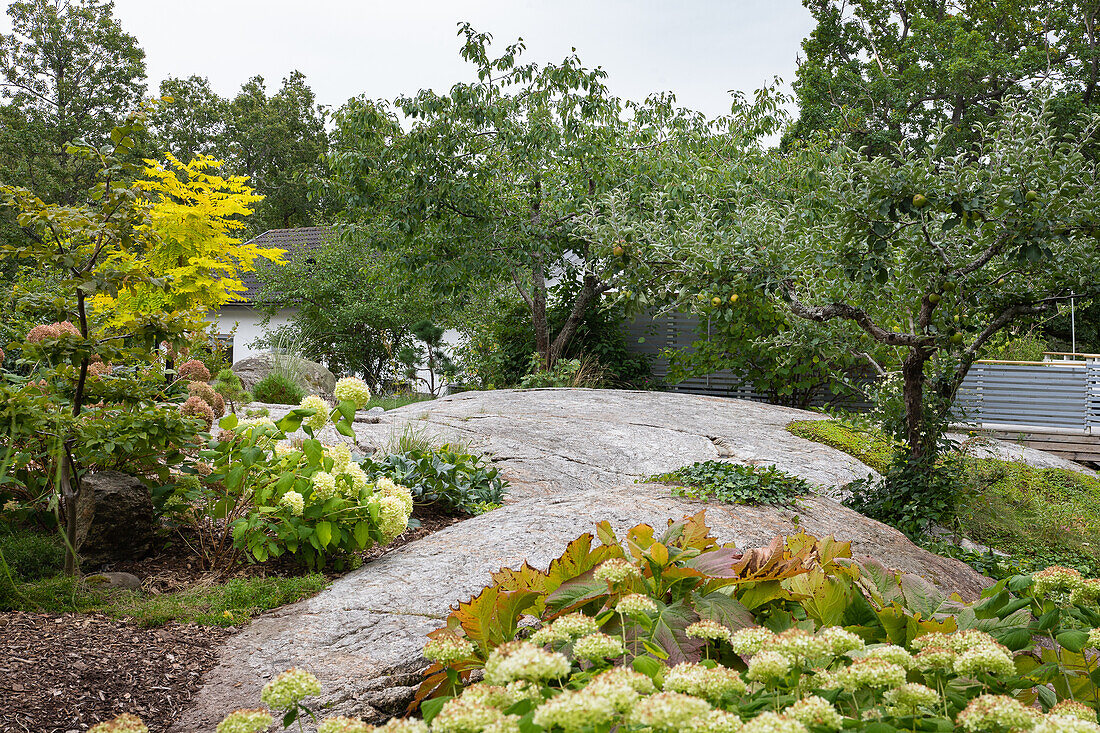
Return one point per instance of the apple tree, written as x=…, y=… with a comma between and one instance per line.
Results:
x=488, y=181
x=922, y=258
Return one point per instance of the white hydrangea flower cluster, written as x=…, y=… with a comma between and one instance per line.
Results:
x=815, y=711
x=340, y=454
x=352, y=389
x=522, y=660
x=289, y=688
x=393, y=517
x=293, y=502
x=566, y=628
x=466, y=716
x=448, y=647
x=637, y=605
x=342, y=724
x=597, y=647
x=768, y=666
x=752, y=640
x=716, y=721
x=501, y=697
x=911, y=698
x=617, y=571
x=995, y=712
x=324, y=486
x=773, y=723
x=870, y=672
x=1064, y=724
x=322, y=408
x=893, y=654
x=245, y=721
x=710, y=683
x=575, y=710
x=619, y=692
x=1074, y=709
x=355, y=481
x=707, y=629
x=668, y=712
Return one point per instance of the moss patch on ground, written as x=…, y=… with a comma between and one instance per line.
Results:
x=1040, y=516
x=872, y=447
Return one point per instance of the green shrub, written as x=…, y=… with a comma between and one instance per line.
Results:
x=228, y=385
x=278, y=389
x=1039, y=516
x=735, y=484
x=31, y=555
x=265, y=497
x=446, y=478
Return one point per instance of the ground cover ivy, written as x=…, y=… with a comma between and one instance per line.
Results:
x=734, y=483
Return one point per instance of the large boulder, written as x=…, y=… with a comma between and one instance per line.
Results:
x=574, y=458
x=314, y=378
x=114, y=518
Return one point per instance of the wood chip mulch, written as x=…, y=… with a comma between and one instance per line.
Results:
x=62, y=673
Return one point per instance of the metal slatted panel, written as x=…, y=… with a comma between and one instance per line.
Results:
x=1055, y=394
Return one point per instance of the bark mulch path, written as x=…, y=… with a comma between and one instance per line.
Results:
x=61, y=673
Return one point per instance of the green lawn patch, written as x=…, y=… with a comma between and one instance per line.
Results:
x=1040, y=516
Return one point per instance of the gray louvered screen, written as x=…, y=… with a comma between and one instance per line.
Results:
x=1054, y=394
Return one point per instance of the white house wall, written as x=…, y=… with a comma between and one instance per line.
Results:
x=250, y=327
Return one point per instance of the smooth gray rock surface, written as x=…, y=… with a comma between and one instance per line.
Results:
x=572, y=457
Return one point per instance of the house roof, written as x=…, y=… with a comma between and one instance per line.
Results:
x=297, y=242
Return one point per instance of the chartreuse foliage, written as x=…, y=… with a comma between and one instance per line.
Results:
x=193, y=218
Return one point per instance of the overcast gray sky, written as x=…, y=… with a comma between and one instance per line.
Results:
x=698, y=50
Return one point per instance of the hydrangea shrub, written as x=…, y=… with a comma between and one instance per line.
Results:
x=262, y=495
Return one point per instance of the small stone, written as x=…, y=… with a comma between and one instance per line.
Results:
x=114, y=581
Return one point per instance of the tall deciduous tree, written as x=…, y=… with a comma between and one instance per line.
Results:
x=491, y=178
x=278, y=142
x=882, y=72
x=348, y=311
x=68, y=71
x=191, y=120
x=928, y=255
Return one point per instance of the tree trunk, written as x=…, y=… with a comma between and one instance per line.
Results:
x=912, y=371
x=589, y=294
x=68, y=504
x=538, y=312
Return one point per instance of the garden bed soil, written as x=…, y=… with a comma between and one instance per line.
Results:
x=61, y=673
